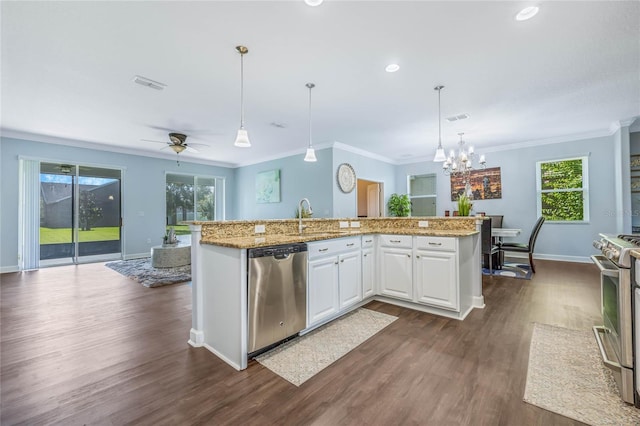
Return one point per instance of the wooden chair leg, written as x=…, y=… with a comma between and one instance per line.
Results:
x=533, y=269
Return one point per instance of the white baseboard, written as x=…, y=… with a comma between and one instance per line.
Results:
x=136, y=256
x=7, y=269
x=554, y=257
x=222, y=357
x=196, y=338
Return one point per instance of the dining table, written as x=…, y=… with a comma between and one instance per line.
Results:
x=498, y=234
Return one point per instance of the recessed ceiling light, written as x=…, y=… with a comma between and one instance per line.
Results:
x=392, y=68
x=527, y=13
x=313, y=3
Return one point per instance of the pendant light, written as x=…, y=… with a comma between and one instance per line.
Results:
x=242, y=139
x=311, y=153
x=440, y=155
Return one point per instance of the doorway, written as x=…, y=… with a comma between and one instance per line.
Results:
x=80, y=214
x=370, y=196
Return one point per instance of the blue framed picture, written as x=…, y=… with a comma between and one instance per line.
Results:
x=268, y=186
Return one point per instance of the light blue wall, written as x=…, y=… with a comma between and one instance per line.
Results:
x=143, y=198
x=518, y=202
x=346, y=205
x=298, y=179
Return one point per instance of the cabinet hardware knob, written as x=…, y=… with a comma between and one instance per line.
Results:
x=367, y=241
x=408, y=255
x=324, y=249
x=418, y=257
x=336, y=262
x=435, y=244
x=395, y=241
x=349, y=245
x=341, y=260
x=365, y=255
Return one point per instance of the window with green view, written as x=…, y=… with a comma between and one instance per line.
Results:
x=563, y=190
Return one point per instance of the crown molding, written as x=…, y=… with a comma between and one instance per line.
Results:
x=35, y=137
x=362, y=152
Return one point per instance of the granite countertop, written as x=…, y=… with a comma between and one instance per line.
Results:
x=272, y=240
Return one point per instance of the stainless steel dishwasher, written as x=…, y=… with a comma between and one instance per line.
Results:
x=277, y=294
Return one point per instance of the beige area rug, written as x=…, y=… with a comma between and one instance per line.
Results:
x=300, y=359
x=566, y=376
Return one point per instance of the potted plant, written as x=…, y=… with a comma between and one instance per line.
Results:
x=399, y=205
x=464, y=205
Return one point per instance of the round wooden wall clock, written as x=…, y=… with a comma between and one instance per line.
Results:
x=346, y=178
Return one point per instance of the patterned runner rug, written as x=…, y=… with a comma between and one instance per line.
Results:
x=141, y=271
x=300, y=359
x=566, y=376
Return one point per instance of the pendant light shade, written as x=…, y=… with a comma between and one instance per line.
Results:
x=242, y=138
x=440, y=155
x=311, y=153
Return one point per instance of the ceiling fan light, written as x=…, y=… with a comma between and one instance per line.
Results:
x=311, y=156
x=178, y=148
x=242, y=139
x=440, y=156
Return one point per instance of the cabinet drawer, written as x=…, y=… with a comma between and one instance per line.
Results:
x=367, y=241
x=436, y=243
x=333, y=246
x=404, y=241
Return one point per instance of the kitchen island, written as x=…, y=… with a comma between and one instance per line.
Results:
x=428, y=264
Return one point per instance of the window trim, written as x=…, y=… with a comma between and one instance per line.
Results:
x=219, y=210
x=434, y=195
x=584, y=189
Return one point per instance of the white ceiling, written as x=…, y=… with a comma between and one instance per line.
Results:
x=67, y=70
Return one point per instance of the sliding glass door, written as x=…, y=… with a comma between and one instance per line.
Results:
x=79, y=213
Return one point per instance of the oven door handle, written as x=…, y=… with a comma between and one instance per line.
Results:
x=602, y=262
x=597, y=330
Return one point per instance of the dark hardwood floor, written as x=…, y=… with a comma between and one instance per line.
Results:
x=84, y=345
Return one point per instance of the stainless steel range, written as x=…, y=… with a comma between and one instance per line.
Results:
x=615, y=336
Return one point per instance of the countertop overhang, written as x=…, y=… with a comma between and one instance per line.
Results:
x=272, y=240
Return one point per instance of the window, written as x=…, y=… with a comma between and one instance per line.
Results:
x=563, y=190
x=189, y=198
x=422, y=193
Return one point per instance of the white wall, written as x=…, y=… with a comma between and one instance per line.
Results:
x=143, y=197
x=518, y=202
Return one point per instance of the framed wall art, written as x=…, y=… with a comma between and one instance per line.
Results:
x=268, y=186
x=486, y=184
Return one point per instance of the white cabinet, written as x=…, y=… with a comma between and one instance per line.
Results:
x=368, y=272
x=436, y=266
x=334, y=278
x=368, y=266
x=350, y=281
x=323, y=292
x=396, y=266
x=436, y=279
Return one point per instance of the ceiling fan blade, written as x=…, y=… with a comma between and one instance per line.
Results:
x=198, y=144
x=190, y=149
x=149, y=140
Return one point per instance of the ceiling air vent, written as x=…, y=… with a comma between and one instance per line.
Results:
x=144, y=81
x=457, y=117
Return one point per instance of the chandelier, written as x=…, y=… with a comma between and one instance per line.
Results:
x=460, y=164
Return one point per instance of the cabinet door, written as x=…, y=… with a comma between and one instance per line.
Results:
x=436, y=279
x=368, y=272
x=323, y=299
x=396, y=276
x=350, y=279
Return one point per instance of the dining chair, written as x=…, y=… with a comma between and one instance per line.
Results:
x=524, y=248
x=496, y=220
x=490, y=251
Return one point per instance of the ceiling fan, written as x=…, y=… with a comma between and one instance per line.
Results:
x=177, y=142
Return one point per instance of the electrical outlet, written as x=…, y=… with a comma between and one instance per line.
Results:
x=344, y=224
x=423, y=223
x=259, y=229
x=355, y=224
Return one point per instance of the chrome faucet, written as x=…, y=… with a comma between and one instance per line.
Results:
x=300, y=225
